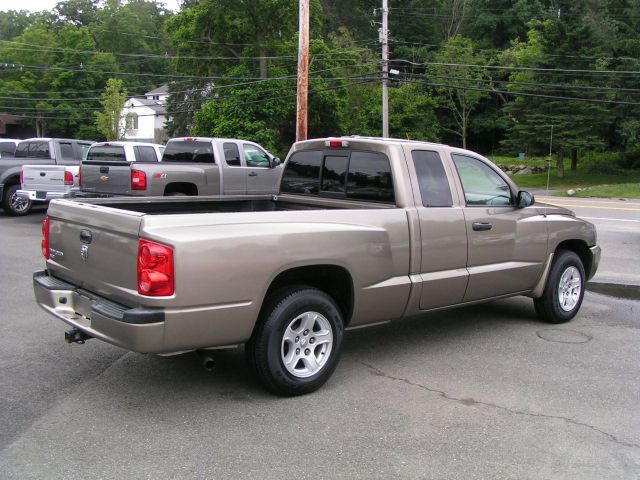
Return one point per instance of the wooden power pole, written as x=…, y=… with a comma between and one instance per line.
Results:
x=303, y=71
x=384, y=39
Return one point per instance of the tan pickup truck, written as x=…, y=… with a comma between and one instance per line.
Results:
x=363, y=231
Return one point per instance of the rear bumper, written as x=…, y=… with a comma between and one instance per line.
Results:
x=137, y=329
x=38, y=196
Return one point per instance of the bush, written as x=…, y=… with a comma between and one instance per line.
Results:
x=630, y=158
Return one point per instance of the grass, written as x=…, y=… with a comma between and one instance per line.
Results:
x=598, y=175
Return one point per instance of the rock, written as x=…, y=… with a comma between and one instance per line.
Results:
x=571, y=192
x=524, y=171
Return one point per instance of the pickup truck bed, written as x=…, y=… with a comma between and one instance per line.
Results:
x=363, y=231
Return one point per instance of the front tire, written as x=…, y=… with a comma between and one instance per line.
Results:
x=14, y=204
x=564, y=290
x=297, y=343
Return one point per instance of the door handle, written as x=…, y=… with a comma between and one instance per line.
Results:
x=42, y=174
x=481, y=226
x=253, y=174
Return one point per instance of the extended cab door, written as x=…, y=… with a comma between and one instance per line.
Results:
x=506, y=245
x=261, y=176
x=443, y=236
x=234, y=178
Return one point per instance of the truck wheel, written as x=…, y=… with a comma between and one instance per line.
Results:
x=13, y=204
x=296, y=345
x=564, y=289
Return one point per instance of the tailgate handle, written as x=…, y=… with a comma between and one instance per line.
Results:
x=481, y=226
x=42, y=174
x=104, y=169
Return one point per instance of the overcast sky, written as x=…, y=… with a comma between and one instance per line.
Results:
x=37, y=5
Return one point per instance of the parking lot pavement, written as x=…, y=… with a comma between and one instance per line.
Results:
x=480, y=392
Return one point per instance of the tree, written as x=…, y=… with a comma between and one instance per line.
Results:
x=110, y=121
x=455, y=77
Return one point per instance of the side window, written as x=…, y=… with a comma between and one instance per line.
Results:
x=334, y=172
x=255, y=157
x=232, y=154
x=370, y=178
x=66, y=150
x=481, y=184
x=302, y=173
x=432, y=179
x=84, y=149
x=145, y=154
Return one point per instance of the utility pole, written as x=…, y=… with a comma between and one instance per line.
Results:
x=384, y=39
x=303, y=71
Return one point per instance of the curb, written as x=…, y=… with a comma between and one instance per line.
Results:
x=618, y=290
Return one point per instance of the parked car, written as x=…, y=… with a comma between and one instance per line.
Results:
x=189, y=166
x=363, y=231
x=8, y=147
x=35, y=151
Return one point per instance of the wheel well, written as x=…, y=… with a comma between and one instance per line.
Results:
x=181, y=187
x=581, y=249
x=12, y=180
x=333, y=280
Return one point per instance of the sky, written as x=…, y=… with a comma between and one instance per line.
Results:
x=38, y=5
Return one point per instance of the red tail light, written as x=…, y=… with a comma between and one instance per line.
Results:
x=68, y=178
x=45, y=237
x=21, y=177
x=138, y=180
x=155, y=269
x=80, y=177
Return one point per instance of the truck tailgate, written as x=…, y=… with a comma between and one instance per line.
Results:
x=46, y=178
x=106, y=177
x=95, y=248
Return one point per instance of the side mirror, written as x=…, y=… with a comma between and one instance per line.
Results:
x=274, y=162
x=525, y=199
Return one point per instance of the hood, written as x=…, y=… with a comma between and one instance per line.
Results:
x=548, y=209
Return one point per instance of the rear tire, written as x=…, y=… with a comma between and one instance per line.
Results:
x=297, y=342
x=564, y=290
x=13, y=204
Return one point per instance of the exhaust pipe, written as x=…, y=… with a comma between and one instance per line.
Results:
x=76, y=335
x=206, y=360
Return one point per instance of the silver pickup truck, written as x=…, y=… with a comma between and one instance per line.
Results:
x=190, y=166
x=363, y=231
x=57, y=152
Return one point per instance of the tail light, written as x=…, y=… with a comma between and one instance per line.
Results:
x=80, y=177
x=138, y=180
x=155, y=269
x=68, y=177
x=45, y=237
x=21, y=177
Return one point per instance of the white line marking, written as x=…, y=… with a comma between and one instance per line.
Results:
x=610, y=219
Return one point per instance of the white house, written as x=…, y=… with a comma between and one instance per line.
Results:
x=144, y=118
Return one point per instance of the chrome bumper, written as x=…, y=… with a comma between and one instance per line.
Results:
x=137, y=329
x=39, y=196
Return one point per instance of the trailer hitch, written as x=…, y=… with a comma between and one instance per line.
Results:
x=76, y=335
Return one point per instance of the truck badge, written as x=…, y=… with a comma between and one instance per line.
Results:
x=84, y=252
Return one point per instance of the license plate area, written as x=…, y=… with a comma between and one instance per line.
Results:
x=41, y=195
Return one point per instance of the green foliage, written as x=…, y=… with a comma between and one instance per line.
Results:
x=109, y=122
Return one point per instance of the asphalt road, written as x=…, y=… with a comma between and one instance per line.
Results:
x=481, y=392
x=618, y=224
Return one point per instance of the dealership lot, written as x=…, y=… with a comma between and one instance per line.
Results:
x=482, y=392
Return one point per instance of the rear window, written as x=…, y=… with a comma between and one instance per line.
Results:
x=145, y=154
x=106, y=153
x=7, y=149
x=33, y=149
x=348, y=174
x=188, y=152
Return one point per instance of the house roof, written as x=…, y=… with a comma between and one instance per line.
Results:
x=157, y=106
x=161, y=90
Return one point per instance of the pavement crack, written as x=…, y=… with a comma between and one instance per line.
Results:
x=470, y=402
